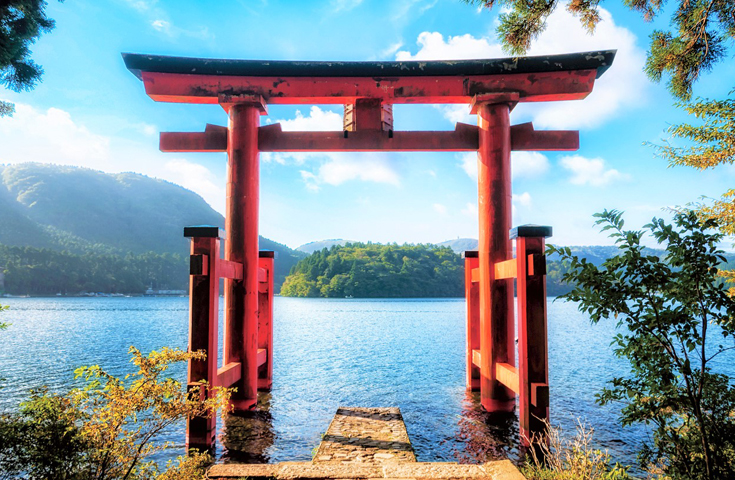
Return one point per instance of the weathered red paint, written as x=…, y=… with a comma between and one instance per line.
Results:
x=272, y=138
x=533, y=408
x=203, y=306
x=472, y=297
x=497, y=330
x=241, y=224
x=265, y=321
x=368, y=126
x=531, y=87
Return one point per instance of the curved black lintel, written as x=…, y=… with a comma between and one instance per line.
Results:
x=597, y=60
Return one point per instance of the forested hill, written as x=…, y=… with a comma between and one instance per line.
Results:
x=376, y=271
x=99, y=220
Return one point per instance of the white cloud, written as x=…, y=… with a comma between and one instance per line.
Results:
x=335, y=168
x=468, y=162
x=457, y=113
x=318, y=120
x=403, y=10
x=196, y=178
x=341, y=167
x=52, y=136
x=590, y=171
x=470, y=210
x=368, y=167
x=528, y=164
x=522, y=199
x=440, y=209
x=310, y=180
x=391, y=49
x=141, y=5
x=344, y=5
x=622, y=86
x=433, y=47
x=162, y=26
x=523, y=164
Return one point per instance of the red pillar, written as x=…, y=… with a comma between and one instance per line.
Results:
x=265, y=320
x=472, y=297
x=203, y=316
x=241, y=223
x=497, y=329
x=533, y=370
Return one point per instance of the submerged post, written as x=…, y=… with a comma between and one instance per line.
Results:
x=265, y=319
x=203, y=316
x=497, y=330
x=241, y=223
x=533, y=357
x=472, y=297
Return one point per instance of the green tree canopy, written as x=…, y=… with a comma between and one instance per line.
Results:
x=701, y=33
x=21, y=23
x=675, y=318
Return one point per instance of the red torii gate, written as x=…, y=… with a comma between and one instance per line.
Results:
x=368, y=91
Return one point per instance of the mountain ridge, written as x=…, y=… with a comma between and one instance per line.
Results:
x=84, y=211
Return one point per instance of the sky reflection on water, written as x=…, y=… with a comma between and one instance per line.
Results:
x=328, y=353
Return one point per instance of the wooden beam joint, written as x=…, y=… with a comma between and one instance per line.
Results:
x=507, y=375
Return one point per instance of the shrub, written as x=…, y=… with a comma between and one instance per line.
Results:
x=674, y=317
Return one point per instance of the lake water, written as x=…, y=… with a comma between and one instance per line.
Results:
x=328, y=353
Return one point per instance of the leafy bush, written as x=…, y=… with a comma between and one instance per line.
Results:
x=675, y=317
x=107, y=429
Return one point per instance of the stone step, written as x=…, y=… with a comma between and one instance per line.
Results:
x=364, y=444
x=359, y=435
x=496, y=470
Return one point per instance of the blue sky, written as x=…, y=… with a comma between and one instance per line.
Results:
x=90, y=111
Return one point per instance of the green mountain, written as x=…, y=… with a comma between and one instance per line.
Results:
x=84, y=212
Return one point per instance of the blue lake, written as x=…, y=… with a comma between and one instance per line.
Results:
x=328, y=353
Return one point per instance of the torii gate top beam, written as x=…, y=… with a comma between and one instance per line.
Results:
x=206, y=81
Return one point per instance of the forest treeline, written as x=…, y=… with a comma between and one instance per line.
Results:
x=373, y=270
x=385, y=271
x=41, y=271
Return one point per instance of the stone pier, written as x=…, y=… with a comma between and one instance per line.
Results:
x=365, y=436
x=365, y=444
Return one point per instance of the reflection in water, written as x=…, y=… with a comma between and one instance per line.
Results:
x=485, y=436
x=249, y=436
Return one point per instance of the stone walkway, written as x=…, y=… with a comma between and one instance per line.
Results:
x=365, y=436
x=366, y=444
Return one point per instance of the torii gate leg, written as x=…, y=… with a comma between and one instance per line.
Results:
x=241, y=224
x=497, y=325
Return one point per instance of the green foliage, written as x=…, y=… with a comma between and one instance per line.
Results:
x=707, y=145
x=44, y=440
x=373, y=270
x=3, y=325
x=702, y=32
x=32, y=271
x=675, y=317
x=109, y=428
x=21, y=23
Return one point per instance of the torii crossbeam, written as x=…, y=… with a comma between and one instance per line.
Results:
x=368, y=90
